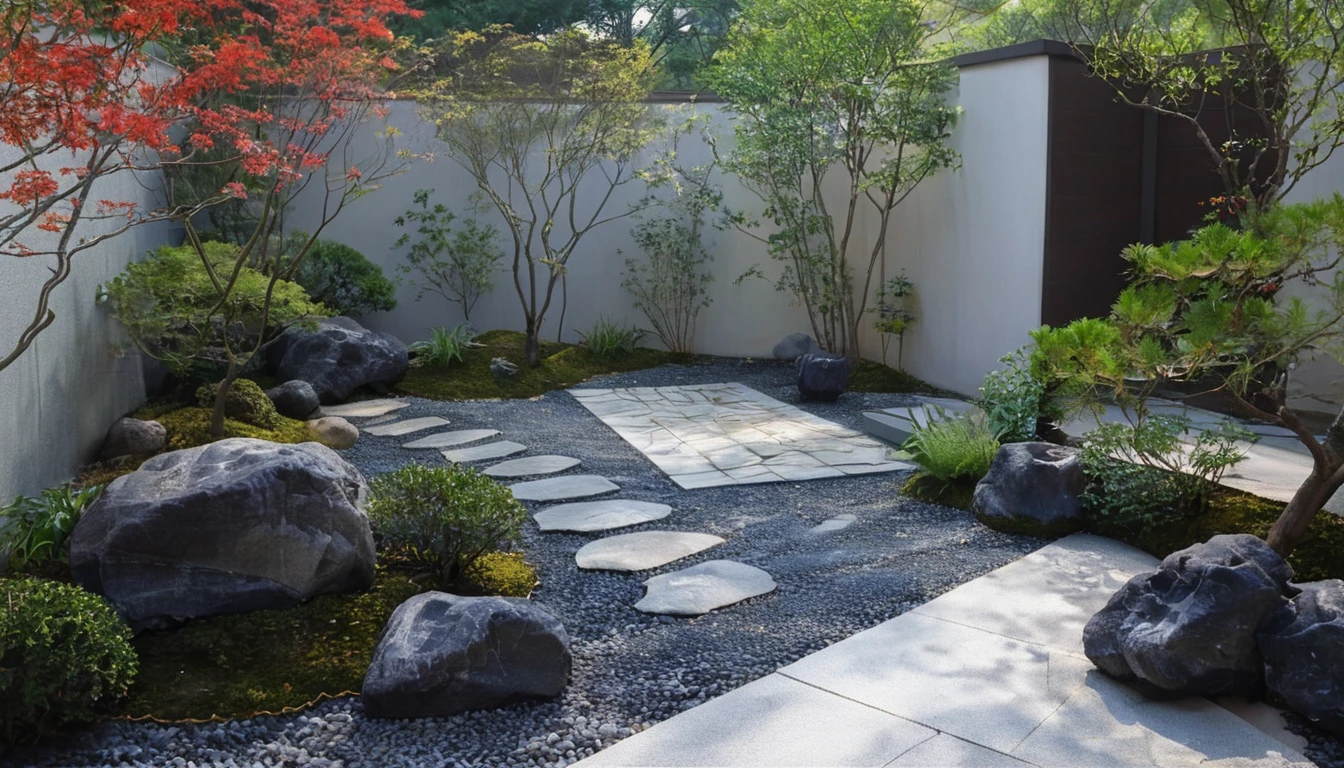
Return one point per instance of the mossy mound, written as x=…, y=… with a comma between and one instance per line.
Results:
x=242, y=665
x=929, y=488
x=190, y=427
x=245, y=402
x=502, y=573
x=870, y=376
x=562, y=365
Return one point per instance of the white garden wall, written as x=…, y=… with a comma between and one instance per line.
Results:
x=58, y=399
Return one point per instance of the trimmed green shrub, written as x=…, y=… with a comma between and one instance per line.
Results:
x=953, y=448
x=444, y=346
x=1011, y=398
x=341, y=279
x=64, y=657
x=607, y=339
x=34, y=530
x=441, y=520
x=246, y=401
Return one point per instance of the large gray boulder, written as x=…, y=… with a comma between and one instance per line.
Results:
x=134, y=437
x=441, y=654
x=822, y=376
x=794, y=346
x=294, y=399
x=338, y=357
x=1189, y=628
x=233, y=526
x=1303, y=644
x=1032, y=488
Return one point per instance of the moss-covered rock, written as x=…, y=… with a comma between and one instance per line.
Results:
x=246, y=402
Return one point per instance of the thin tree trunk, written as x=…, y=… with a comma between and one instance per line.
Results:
x=532, y=347
x=221, y=400
x=1306, y=503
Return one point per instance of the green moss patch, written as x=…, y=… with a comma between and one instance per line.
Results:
x=562, y=365
x=869, y=376
x=241, y=665
x=190, y=427
x=1319, y=556
x=502, y=573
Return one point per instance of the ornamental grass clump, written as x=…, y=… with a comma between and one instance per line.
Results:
x=441, y=520
x=952, y=448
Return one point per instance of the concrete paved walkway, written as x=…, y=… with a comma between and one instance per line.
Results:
x=989, y=674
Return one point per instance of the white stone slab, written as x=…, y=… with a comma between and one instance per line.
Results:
x=406, y=426
x=973, y=684
x=1046, y=597
x=1107, y=724
x=533, y=465
x=837, y=523
x=364, y=409
x=483, y=452
x=589, y=516
x=703, y=588
x=561, y=488
x=772, y=721
x=450, y=439
x=944, y=751
x=642, y=550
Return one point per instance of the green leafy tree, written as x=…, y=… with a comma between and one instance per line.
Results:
x=825, y=90
x=550, y=130
x=1278, y=67
x=442, y=17
x=1207, y=310
x=457, y=263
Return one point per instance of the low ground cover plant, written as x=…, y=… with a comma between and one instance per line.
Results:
x=65, y=657
x=36, y=529
x=953, y=452
x=439, y=521
x=608, y=339
x=444, y=347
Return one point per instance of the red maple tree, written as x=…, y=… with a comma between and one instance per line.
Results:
x=276, y=86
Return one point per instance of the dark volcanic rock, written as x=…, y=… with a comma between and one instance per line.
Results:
x=294, y=399
x=1032, y=488
x=822, y=376
x=1303, y=644
x=338, y=358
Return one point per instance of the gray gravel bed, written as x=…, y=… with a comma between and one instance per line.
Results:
x=631, y=669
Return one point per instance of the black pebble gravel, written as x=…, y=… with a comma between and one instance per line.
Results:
x=631, y=670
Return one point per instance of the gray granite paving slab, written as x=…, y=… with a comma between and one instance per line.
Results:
x=589, y=516
x=483, y=452
x=642, y=550
x=406, y=426
x=533, y=465
x=705, y=587
x=450, y=439
x=944, y=751
x=772, y=721
x=837, y=523
x=562, y=488
x=364, y=409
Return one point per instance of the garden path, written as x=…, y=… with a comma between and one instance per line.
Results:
x=989, y=674
x=708, y=435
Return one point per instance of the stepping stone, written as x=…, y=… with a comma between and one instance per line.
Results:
x=561, y=488
x=364, y=409
x=482, y=452
x=704, y=587
x=406, y=427
x=837, y=523
x=450, y=439
x=643, y=550
x=588, y=516
x=533, y=465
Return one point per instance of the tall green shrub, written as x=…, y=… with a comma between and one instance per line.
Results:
x=344, y=281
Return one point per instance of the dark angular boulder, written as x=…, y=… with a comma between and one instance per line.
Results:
x=134, y=437
x=233, y=526
x=1032, y=488
x=441, y=654
x=1189, y=628
x=794, y=346
x=822, y=376
x=1303, y=644
x=338, y=358
x=294, y=399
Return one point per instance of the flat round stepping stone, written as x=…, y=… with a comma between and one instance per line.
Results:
x=837, y=523
x=406, y=426
x=533, y=465
x=589, y=516
x=450, y=439
x=704, y=587
x=561, y=488
x=482, y=452
x=364, y=409
x=642, y=550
